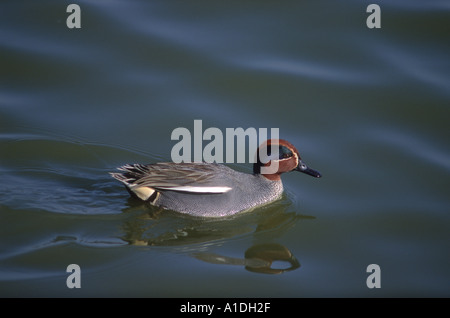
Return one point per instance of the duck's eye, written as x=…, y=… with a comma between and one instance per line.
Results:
x=285, y=152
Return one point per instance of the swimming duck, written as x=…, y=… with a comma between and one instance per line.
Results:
x=211, y=189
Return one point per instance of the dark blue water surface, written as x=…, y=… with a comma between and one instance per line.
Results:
x=368, y=108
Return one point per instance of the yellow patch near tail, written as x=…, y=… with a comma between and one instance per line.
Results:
x=143, y=193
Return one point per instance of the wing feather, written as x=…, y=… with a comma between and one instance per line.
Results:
x=185, y=177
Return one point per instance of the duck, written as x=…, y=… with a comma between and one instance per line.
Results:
x=213, y=190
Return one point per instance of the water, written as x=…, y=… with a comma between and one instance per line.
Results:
x=368, y=108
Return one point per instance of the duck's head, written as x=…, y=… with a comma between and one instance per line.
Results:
x=272, y=163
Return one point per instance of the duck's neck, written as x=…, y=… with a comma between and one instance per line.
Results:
x=257, y=171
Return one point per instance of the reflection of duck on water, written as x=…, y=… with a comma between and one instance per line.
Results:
x=261, y=258
x=198, y=236
x=150, y=228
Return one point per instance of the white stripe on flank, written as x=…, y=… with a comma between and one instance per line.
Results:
x=198, y=189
